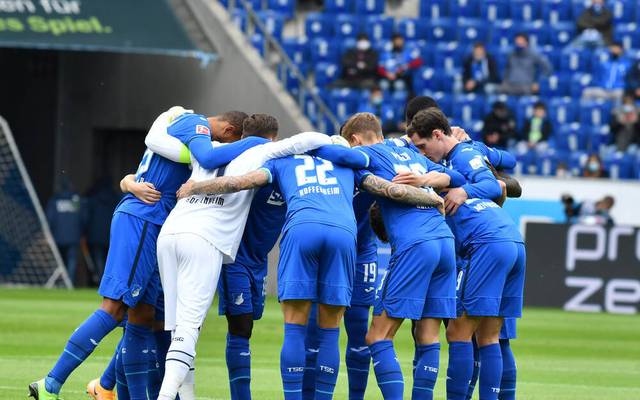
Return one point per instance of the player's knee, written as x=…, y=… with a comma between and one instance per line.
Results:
x=115, y=308
x=240, y=325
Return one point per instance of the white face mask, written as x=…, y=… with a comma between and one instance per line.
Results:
x=363, y=45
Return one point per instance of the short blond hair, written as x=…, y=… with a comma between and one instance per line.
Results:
x=362, y=122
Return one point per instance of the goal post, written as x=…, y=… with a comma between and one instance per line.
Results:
x=28, y=253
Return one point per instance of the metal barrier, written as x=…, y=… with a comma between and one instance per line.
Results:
x=278, y=60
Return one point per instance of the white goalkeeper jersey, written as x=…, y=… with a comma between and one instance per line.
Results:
x=220, y=219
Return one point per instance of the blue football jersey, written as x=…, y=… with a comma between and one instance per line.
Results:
x=367, y=245
x=405, y=224
x=167, y=177
x=264, y=223
x=500, y=159
x=479, y=219
x=189, y=126
x=315, y=191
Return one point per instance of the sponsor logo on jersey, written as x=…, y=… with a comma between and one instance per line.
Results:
x=475, y=162
x=276, y=199
x=239, y=299
x=136, y=291
x=203, y=130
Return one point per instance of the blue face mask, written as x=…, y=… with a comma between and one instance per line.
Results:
x=597, y=8
x=377, y=100
x=593, y=166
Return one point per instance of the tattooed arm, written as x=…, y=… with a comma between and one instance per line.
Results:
x=401, y=193
x=225, y=184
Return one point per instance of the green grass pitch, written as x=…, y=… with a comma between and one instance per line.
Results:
x=560, y=355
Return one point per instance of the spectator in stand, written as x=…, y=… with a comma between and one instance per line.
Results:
x=374, y=105
x=632, y=80
x=499, y=126
x=594, y=168
x=594, y=26
x=480, y=73
x=588, y=212
x=538, y=128
x=64, y=213
x=524, y=68
x=609, y=78
x=562, y=170
x=397, y=65
x=360, y=65
x=624, y=124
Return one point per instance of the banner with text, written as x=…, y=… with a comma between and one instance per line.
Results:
x=140, y=26
x=588, y=268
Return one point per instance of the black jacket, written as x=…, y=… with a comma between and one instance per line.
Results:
x=491, y=67
x=505, y=127
x=602, y=22
x=354, y=72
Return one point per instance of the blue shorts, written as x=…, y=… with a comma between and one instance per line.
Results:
x=420, y=282
x=160, y=305
x=492, y=284
x=317, y=263
x=241, y=289
x=365, y=283
x=131, y=271
x=508, y=330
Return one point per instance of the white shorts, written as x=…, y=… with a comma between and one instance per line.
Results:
x=189, y=269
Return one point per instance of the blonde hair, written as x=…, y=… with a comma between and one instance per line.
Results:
x=362, y=122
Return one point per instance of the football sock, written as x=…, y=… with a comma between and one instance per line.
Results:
x=311, y=355
x=163, y=341
x=179, y=361
x=292, y=360
x=155, y=380
x=121, y=379
x=417, y=353
x=135, y=359
x=238, y=358
x=327, y=363
x=81, y=343
x=188, y=389
x=490, y=371
x=476, y=369
x=358, y=357
x=426, y=372
x=387, y=370
x=509, y=372
x=459, y=370
x=108, y=378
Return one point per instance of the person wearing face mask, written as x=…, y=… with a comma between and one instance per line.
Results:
x=499, y=126
x=594, y=168
x=594, y=26
x=625, y=123
x=609, y=78
x=360, y=65
x=480, y=73
x=397, y=65
x=524, y=68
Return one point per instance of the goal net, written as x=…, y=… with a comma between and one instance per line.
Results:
x=28, y=254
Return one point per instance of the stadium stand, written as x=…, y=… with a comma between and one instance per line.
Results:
x=443, y=33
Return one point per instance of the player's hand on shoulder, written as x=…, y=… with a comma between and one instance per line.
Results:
x=145, y=192
x=454, y=199
x=408, y=178
x=460, y=134
x=185, y=189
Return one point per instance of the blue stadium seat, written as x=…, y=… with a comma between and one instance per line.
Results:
x=577, y=7
x=323, y=50
x=562, y=111
x=599, y=138
x=571, y=138
x=510, y=101
x=319, y=25
x=413, y=28
x=325, y=73
x=256, y=5
x=239, y=19
x=554, y=11
x=553, y=54
x=494, y=10
x=556, y=85
x=575, y=60
x=297, y=48
x=342, y=45
x=577, y=162
x=595, y=112
x=472, y=30
x=444, y=100
x=562, y=33
x=273, y=22
x=441, y=30
x=257, y=41
x=285, y=7
x=624, y=11
x=526, y=163
x=290, y=82
x=423, y=79
x=448, y=55
x=434, y=8
x=379, y=27
x=502, y=33
x=579, y=81
x=524, y=109
x=628, y=35
x=474, y=129
x=369, y=7
x=619, y=165
x=344, y=102
x=597, y=57
x=538, y=32
x=468, y=107
x=346, y=26
x=525, y=10
x=339, y=6
x=464, y=8
x=546, y=163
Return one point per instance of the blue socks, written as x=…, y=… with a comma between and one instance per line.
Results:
x=153, y=368
x=460, y=370
x=358, y=356
x=476, y=369
x=311, y=355
x=490, y=371
x=387, y=369
x=508, y=383
x=135, y=359
x=108, y=378
x=121, y=379
x=426, y=371
x=328, y=362
x=80, y=345
x=292, y=360
x=238, y=358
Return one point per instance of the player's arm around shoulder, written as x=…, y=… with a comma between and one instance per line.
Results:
x=400, y=192
x=144, y=191
x=226, y=184
x=163, y=144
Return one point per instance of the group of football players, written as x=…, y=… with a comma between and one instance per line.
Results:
x=208, y=203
